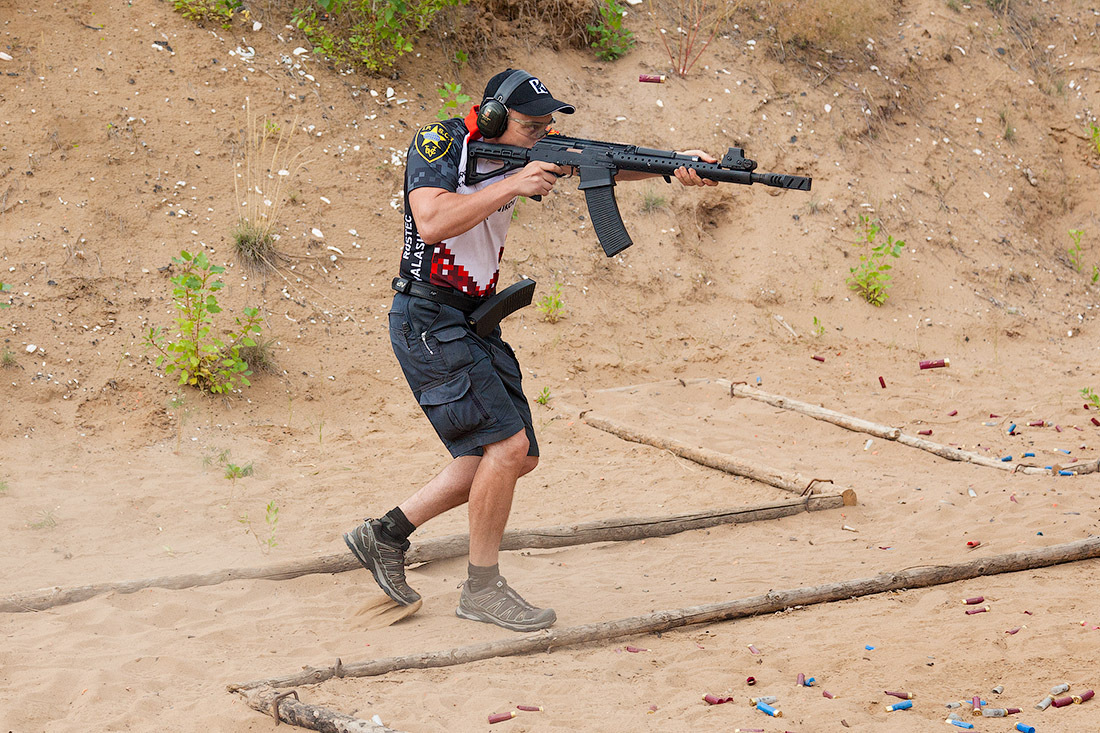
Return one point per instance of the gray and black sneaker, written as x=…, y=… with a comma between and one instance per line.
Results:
x=499, y=604
x=385, y=560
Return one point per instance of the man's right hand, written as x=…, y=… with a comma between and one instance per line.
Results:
x=537, y=178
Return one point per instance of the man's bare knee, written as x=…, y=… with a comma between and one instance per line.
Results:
x=529, y=465
x=511, y=451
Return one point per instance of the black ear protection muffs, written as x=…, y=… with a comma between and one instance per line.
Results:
x=492, y=116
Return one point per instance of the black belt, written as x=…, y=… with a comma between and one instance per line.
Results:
x=454, y=299
x=482, y=314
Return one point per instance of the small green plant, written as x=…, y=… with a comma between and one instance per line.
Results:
x=234, y=472
x=460, y=58
x=1074, y=252
x=1094, y=133
x=3, y=487
x=7, y=359
x=178, y=405
x=544, y=396
x=453, y=100
x=1009, y=133
x=871, y=277
x=819, y=329
x=1095, y=273
x=271, y=518
x=202, y=359
x=1092, y=397
x=551, y=305
x=612, y=40
x=4, y=288
x=652, y=201
x=46, y=520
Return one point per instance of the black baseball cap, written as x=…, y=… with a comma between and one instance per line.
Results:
x=530, y=98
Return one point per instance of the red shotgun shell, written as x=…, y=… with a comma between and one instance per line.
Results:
x=974, y=601
x=652, y=78
x=972, y=611
x=715, y=700
x=934, y=363
x=501, y=717
x=530, y=708
x=815, y=357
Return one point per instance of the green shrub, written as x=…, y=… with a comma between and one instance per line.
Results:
x=203, y=360
x=453, y=100
x=871, y=277
x=612, y=39
x=4, y=287
x=218, y=11
x=370, y=34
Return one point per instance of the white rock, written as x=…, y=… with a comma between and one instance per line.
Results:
x=5, y=57
x=31, y=348
x=317, y=233
x=257, y=25
x=299, y=51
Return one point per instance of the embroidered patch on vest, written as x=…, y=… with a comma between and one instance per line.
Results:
x=433, y=141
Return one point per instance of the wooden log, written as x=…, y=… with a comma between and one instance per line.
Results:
x=442, y=548
x=889, y=433
x=793, y=482
x=770, y=602
x=287, y=708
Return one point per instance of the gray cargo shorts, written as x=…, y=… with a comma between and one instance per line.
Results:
x=469, y=387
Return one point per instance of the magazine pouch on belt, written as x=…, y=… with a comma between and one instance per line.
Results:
x=486, y=317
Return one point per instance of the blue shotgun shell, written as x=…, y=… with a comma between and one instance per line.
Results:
x=1025, y=728
x=903, y=705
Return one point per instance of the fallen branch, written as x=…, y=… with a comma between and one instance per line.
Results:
x=286, y=708
x=792, y=482
x=605, y=530
x=888, y=433
x=771, y=602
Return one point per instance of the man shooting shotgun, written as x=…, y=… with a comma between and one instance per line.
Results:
x=444, y=330
x=598, y=164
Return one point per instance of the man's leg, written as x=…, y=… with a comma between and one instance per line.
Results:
x=491, y=494
x=486, y=596
x=447, y=490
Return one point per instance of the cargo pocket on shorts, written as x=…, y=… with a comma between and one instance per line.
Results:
x=453, y=407
x=456, y=353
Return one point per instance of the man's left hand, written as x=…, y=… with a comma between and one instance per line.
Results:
x=688, y=176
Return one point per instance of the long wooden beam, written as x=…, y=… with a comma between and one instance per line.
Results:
x=770, y=602
x=792, y=482
x=442, y=548
x=890, y=433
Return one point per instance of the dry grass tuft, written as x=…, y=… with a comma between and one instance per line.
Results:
x=263, y=166
x=840, y=27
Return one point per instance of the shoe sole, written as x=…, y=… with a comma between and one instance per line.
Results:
x=487, y=619
x=373, y=562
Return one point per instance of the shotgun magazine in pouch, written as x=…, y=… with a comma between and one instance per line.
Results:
x=500, y=306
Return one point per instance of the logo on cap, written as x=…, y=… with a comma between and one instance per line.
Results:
x=538, y=86
x=433, y=141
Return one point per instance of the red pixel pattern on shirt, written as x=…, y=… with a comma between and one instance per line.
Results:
x=446, y=273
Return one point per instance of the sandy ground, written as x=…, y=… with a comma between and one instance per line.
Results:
x=964, y=131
